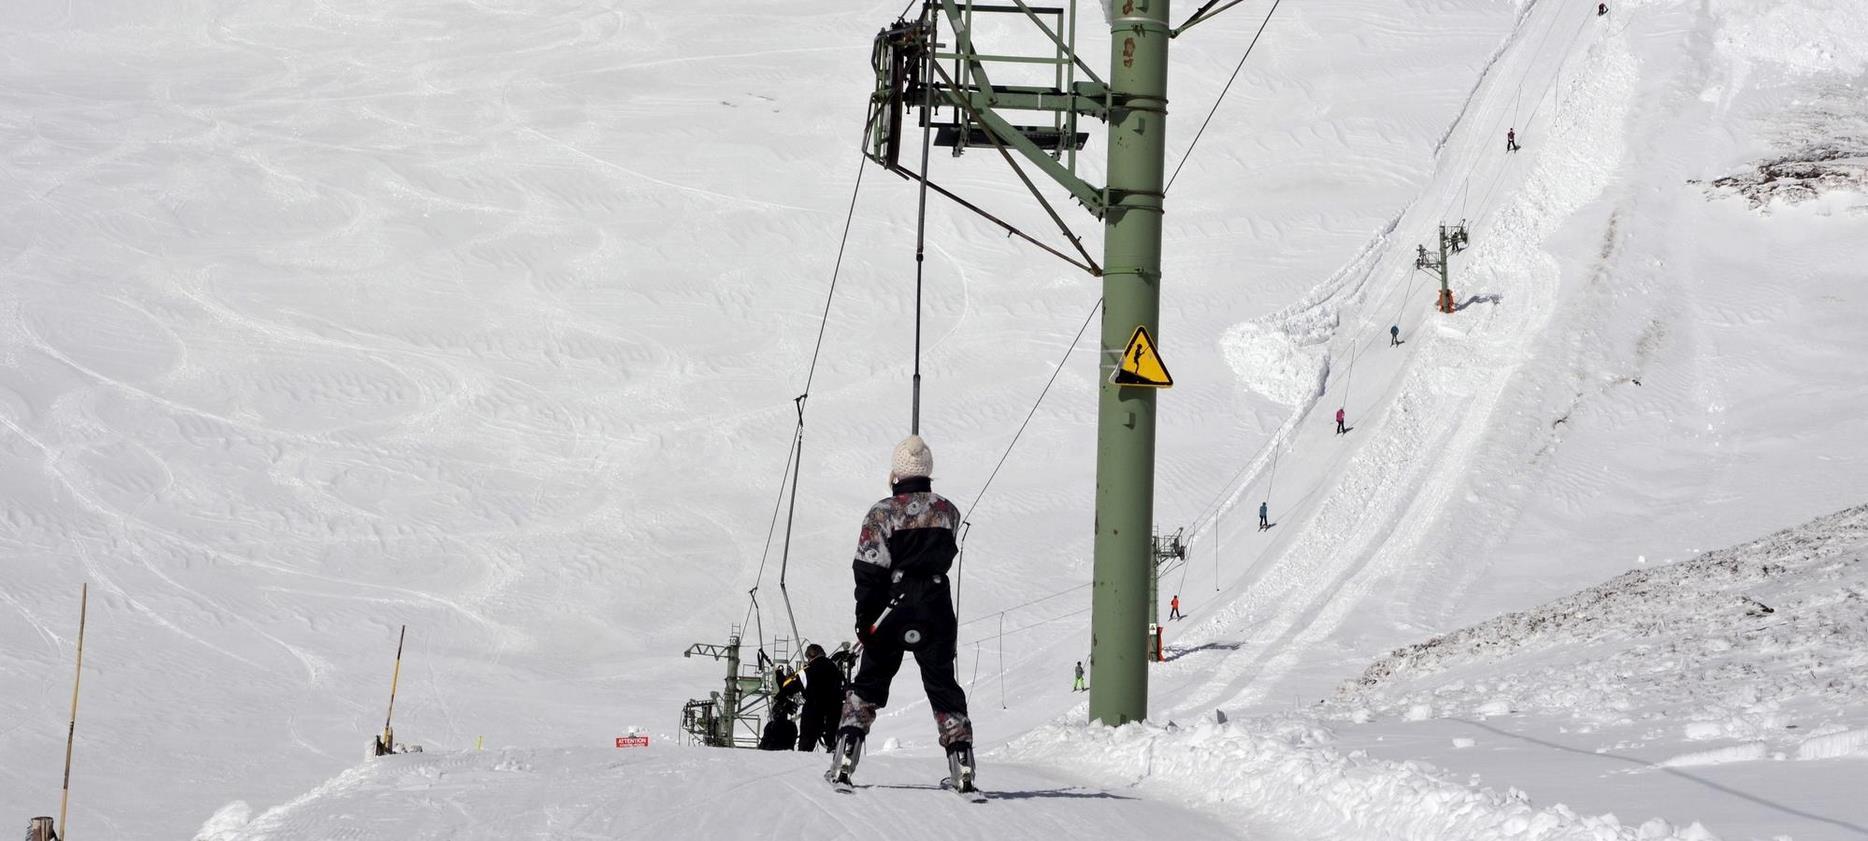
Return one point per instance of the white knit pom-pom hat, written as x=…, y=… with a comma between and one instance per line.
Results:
x=912, y=459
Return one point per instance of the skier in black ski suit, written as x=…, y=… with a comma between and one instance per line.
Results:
x=904, y=604
x=823, y=700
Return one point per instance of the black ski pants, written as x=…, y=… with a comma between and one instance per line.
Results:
x=817, y=728
x=881, y=660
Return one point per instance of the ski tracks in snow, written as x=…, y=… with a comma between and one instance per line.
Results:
x=1412, y=448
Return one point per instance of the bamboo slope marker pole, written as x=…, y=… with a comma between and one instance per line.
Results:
x=389, y=735
x=71, y=730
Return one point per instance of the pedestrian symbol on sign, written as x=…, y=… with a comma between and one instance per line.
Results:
x=1141, y=364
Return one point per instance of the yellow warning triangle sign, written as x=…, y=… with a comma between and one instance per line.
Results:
x=1141, y=365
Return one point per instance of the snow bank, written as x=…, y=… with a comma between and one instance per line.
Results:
x=1721, y=641
x=1284, y=775
x=1833, y=745
x=226, y=823
x=1813, y=36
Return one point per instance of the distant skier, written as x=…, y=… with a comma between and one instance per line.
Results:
x=1174, y=607
x=1078, y=685
x=1602, y=9
x=1340, y=429
x=1394, y=335
x=1264, y=515
x=1511, y=140
x=846, y=662
x=903, y=604
x=823, y=700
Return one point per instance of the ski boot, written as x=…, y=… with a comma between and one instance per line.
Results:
x=843, y=758
x=960, y=770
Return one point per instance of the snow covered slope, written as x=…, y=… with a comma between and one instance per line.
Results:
x=680, y=793
x=487, y=317
x=1728, y=688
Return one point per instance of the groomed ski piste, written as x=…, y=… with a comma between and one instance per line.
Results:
x=487, y=318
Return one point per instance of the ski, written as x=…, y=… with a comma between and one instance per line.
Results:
x=970, y=793
x=843, y=759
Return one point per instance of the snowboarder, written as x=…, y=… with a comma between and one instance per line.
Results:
x=1340, y=429
x=1174, y=607
x=1264, y=515
x=903, y=604
x=1511, y=139
x=823, y=700
x=1078, y=685
x=1394, y=335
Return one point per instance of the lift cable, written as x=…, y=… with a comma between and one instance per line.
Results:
x=960, y=570
x=788, y=478
x=784, y=480
x=1223, y=91
x=1059, y=369
x=1202, y=16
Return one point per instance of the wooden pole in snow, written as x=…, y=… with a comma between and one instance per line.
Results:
x=389, y=735
x=71, y=730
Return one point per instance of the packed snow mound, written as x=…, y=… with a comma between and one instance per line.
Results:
x=1285, y=778
x=1792, y=602
x=1763, y=644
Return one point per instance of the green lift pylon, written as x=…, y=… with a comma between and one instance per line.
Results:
x=910, y=64
x=1125, y=416
x=1453, y=239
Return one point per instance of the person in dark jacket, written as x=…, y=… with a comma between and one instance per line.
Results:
x=1264, y=515
x=823, y=700
x=779, y=732
x=845, y=659
x=904, y=604
x=789, y=690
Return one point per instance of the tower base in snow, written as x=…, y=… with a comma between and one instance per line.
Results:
x=1446, y=301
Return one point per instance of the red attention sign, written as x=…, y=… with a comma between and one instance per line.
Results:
x=632, y=741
